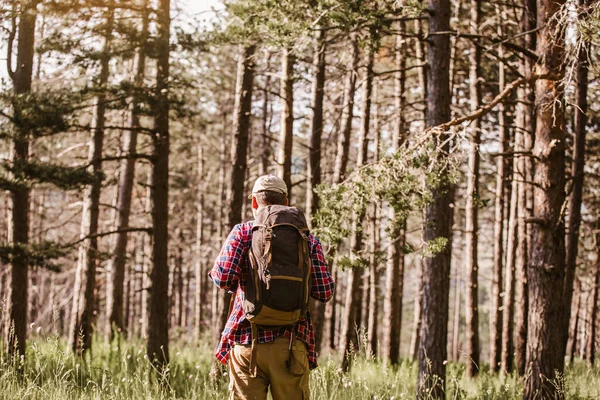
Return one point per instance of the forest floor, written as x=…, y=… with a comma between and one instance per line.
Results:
x=51, y=373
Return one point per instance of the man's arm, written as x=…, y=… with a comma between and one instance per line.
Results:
x=322, y=283
x=226, y=271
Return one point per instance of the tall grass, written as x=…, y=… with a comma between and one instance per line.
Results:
x=121, y=371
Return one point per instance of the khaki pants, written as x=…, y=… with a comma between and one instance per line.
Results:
x=271, y=370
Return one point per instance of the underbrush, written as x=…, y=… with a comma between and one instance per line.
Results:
x=121, y=371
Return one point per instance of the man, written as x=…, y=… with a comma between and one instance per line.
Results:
x=253, y=373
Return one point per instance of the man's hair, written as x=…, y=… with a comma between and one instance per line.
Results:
x=269, y=198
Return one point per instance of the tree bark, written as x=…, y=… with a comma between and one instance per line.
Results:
x=578, y=164
x=84, y=299
x=19, y=219
x=126, y=181
x=352, y=316
x=339, y=172
x=438, y=214
x=239, y=154
x=392, y=301
x=415, y=340
x=375, y=217
x=286, y=137
x=313, y=172
x=526, y=126
x=472, y=207
x=501, y=176
x=343, y=145
x=546, y=271
x=507, y=355
x=572, y=348
x=456, y=318
x=198, y=270
x=158, y=332
x=265, y=140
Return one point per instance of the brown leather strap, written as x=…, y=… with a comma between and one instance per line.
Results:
x=253, y=367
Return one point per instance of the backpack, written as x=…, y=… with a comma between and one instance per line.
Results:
x=278, y=280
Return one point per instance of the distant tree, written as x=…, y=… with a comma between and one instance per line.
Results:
x=126, y=182
x=19, y=222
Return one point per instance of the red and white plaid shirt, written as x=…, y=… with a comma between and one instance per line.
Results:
x=227, y=275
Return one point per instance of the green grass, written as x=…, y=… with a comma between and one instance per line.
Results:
x=50, y=373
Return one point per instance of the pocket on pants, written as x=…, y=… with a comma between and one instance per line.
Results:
x=298, y=362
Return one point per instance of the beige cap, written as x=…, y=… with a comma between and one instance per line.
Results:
x=271, y=183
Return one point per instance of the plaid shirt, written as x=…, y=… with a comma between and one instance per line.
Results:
x=227, y=275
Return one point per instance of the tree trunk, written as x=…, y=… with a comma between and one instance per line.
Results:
x=438, y=214
x=126, y=181
x=265, y=140
x=507, y=355
x=392, y=301
x=545, y=354
x=456, y=319
x=158, y=333
x=343, y=145
x=472, y=208
x=147, y=245
x=19, y=219
x=353, y=291
x=84, y=304
x=575, y=200
x=198, y=270
x=375, y=217
x=415, y=340
x=221, y=196
x=339, y=172
x=239, y=153
x=501, y=164
x=573, y=336
x=526, y=126
x=286, y=138
x=313, y=172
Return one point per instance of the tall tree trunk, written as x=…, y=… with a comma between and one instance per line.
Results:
x=438, y=214
x=314, y=161
x=526, y=126
x=472, y=208
x=375, y=217
x=545, y=354
x=19, y=221
x=343, y=145
x=353, y=291
x=286, y=137
x=392, y=301
x=146, y=248
x=221, y=196
x=501, y=176
x=158, y=332
x=265, y=140
x=198, y=272
x=126, y=181
x=84, y=304
x=339, y=172
x=507, y=355
x=239, y=153
x=574, y=210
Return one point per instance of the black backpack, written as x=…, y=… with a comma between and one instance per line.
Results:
x=278, y=280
